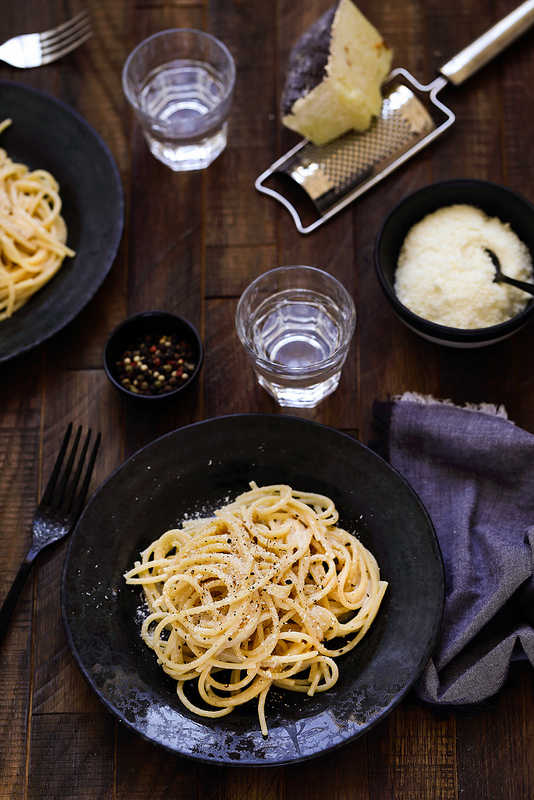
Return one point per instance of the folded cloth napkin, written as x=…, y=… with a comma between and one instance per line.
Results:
x=473, y=469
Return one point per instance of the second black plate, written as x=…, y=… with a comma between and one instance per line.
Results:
x=47, y=134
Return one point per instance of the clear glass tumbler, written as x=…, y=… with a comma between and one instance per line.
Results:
x=180, y=85
x=296, y=324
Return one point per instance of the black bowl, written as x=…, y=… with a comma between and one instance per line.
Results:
x=154, y=323
x=492, y=199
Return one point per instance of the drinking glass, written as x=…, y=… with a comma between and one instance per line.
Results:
x=296, y=324
x=180, y=84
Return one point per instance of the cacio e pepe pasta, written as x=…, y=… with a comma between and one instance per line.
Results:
x=33, y=234
x=268, y=592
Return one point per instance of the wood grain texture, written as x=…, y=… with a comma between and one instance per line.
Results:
x=191, y=244
x=68, y=759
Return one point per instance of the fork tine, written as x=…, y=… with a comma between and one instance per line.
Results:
x=67, y=38
x=80, y=498
x=60, y=493
x=54, y=33
x=67, y=501
x=45, y=500
x=54, y=55
x=59, y=41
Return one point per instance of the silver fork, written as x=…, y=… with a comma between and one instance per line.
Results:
x=36, y=49
x=57, y=513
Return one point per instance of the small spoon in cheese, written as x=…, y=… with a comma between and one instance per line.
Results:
x=500, y=278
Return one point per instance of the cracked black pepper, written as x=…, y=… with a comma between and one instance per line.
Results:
x=156, y=365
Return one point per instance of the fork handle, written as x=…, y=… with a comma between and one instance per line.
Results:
x=12, y=596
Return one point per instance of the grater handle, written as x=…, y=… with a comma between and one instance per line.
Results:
x=490, y=44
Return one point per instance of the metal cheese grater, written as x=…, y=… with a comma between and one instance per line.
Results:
x=412, y=116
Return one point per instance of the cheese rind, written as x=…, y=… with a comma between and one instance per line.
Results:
x=334, y=77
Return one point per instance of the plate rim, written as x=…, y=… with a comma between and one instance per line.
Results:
x=424, y=656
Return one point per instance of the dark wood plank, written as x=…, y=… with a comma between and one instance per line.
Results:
x=150, y=773
x=495, y=748
x=230, y=783
x=342, y=773
x=235, y=214
x=412, y=755
x=71, y=756
x=20, y=434
x=471, y=147
x=229, y=380
x=18, y=459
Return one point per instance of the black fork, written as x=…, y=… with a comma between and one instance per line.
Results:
x=58, y=511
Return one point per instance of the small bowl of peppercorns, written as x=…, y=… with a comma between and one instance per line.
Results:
x=153, y=355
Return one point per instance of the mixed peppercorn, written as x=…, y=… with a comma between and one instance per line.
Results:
x=156, y=365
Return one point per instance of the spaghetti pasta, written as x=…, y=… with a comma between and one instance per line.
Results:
x=268, y=592
x=33, y=233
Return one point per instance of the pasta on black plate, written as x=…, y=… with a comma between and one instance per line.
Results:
x=251, y=598
x=33, y=234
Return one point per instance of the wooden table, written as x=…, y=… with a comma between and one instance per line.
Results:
x=192, y=242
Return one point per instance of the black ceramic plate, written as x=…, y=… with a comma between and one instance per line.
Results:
x=193, y=470
x=47, y=134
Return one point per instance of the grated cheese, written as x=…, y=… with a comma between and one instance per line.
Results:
x=444, y=274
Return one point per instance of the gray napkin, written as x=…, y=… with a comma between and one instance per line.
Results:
x=474, y=471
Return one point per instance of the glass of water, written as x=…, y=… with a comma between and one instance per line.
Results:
x=296, y=324
x=180, y=84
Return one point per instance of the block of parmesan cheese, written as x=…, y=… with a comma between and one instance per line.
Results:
x=334, y=75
